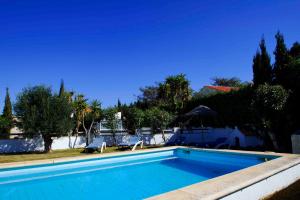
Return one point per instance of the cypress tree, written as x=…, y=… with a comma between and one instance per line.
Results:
x=295, y=50
x=281, y=60
x=7, y=111
x=262, y=69
x=119, y=105
x=62, y=88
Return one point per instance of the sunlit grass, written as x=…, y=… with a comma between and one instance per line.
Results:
x=6, y=158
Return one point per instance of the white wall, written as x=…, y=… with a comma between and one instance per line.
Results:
x=191, y=136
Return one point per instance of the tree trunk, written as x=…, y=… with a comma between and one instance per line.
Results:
x=76, y=136
x=273, y=140
x=47, y=143
x=163, y=135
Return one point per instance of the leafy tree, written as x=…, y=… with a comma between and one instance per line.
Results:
x=158, y=120
x=282, y=60
x=42, y=113
x=149, y=97
x=7, y=113
x=93, y=115
x=80, y=107
x=132, y=118
x=262, y=69
x=4, y=123
x=112, y=121
x=269, y=103
x=295, y=50
x=174, y=92
x=229, y=82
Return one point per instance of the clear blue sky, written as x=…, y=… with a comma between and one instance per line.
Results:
x=109, y=49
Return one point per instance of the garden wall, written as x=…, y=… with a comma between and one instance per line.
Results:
x=187, y=136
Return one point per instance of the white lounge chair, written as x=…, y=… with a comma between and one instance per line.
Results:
x=131, y=141
x=97, y=143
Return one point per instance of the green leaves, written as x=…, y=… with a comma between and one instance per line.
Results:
x=44, y=113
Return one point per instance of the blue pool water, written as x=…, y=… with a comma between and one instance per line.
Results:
x=131, y=177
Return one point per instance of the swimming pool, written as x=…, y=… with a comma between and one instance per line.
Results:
x=134, y=176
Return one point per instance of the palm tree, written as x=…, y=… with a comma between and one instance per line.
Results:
x=94, y=112
x=80, y=107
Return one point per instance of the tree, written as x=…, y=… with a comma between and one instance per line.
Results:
x=174, y=92
x=4, y=123
x=282, y=60
x=119, y=105
x=7, y=113
x=80, y=107
x=149, y=97
x=62, y=88
x=262, y=69
x=229, y=82
x=42, y=113
x=295, y=50
x=93, y=114
x=132, y=118
x=158, y=120
x=112, y=121
x=269, y=103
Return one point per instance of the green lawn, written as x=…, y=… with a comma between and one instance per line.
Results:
x=6, y=158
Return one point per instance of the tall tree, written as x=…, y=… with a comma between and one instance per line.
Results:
x=93, y=115
x=282, y=60
x=7, y=112
x=62, y=88
x=42, y=113
x=262, y=69
x=119, y=105
x=112, y=121
x=175, y=92
x=295, y=50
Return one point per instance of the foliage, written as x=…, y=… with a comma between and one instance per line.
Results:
x=62, y=89
x=111, y=120
x=171, y=94
x=269, y=100
x=295, y=50
x=91, y=116
x=175, y=92
x=229, y=82
x=133, y=118
x=149, y=96
x=233, y=108
x=269, y=103
x=157, y=119
x=4, y=123
x=282, y=59
x=80, y=107
x=7, y=114
x=262, y=69
x=42, y=113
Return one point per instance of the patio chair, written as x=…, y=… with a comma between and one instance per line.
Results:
x=132, y=141
x=98, y=143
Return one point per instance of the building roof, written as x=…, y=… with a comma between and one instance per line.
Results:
x=221, y=88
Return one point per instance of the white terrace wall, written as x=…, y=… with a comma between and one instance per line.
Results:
x=190, y=136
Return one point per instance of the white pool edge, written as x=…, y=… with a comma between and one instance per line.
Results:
x=254, y=182
x=268, y=185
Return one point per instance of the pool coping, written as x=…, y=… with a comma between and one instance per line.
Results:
x=225, y=185
x=215, y=188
